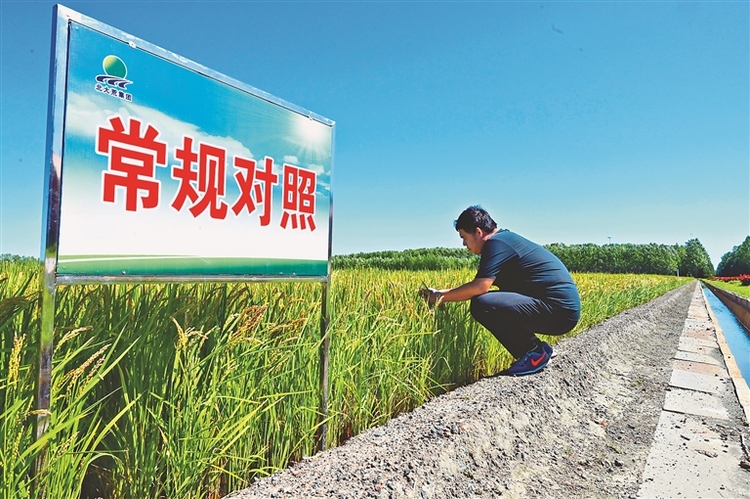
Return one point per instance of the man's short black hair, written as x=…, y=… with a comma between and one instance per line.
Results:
x=475, y=217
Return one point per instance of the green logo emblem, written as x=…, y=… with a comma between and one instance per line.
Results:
x=114, y=66
x=113, y=81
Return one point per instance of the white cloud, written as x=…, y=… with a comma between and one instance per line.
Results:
x=319, y=169
x=85, y=115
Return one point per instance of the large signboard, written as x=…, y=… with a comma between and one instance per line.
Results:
x=159, y=169
x=168, y=168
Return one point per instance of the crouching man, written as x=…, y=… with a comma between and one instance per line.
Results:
x=536, y=293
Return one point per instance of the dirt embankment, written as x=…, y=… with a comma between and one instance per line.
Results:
x=581, y=428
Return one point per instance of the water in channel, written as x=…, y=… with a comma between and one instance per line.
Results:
x=737, y=337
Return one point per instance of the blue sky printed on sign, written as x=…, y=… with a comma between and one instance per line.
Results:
x=180, y=102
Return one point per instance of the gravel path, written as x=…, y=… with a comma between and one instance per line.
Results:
x=580, y=428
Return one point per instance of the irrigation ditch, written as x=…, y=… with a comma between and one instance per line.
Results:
x=733, y=314
x=739, y=305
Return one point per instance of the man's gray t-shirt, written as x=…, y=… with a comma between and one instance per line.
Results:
x=519, y=265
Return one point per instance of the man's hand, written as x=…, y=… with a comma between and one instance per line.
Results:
x=430, y=295
x=464, y=292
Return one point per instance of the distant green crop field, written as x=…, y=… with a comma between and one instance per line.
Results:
x=192, y=390
x=733, y=286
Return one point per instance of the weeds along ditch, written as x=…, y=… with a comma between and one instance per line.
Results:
x=735, y=285
x=190, y=391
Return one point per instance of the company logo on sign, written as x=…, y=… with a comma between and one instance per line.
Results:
x=113, y=81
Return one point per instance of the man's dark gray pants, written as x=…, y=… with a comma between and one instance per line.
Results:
x=513, y=319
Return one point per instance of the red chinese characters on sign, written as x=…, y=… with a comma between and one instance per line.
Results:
x=257, y=183
x=202, y=177
x=132, y=162
x=299, y=198
x=185, y=174
x=209, y=179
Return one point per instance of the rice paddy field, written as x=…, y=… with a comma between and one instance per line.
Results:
x=192, y=390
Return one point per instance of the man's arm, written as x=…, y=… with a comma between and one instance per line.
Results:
x=464, y=292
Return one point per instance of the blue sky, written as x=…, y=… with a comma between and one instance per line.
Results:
x=570, y=122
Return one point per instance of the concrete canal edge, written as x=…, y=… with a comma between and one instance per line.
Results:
x=698, y=447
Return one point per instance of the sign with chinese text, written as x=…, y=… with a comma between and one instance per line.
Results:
x=172, y=169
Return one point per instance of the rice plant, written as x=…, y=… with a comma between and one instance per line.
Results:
x=190, y=391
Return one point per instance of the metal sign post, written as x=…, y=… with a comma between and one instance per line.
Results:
x=51, y=225
x=324, y=349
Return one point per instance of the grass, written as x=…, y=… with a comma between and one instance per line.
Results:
x=733, y=286
x=192, y=390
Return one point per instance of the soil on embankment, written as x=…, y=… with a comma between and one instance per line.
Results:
x=581, y=428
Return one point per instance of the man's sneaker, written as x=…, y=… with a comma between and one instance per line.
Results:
x=530, y=363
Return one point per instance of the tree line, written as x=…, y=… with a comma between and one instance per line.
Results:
x=689, y=259
x=411, y=259
x=735, y=262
